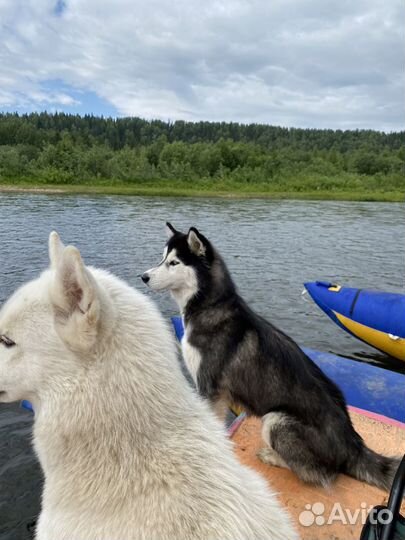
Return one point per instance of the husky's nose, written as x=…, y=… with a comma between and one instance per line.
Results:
x=145, y=277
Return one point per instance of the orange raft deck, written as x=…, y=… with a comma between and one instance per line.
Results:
x=336, y=513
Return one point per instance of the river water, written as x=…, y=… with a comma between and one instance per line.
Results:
x=271, y=247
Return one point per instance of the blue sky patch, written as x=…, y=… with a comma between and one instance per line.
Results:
x=65, y=98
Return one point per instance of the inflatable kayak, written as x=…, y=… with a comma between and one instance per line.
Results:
x=377, y=318
x=376, y=391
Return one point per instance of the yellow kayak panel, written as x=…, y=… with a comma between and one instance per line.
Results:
x=392, y=345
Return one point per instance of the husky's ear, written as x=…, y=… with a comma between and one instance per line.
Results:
x=76, y=302
x=56, y=248
x=197, y=242
x=170, y=230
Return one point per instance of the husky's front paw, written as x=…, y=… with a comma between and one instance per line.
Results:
x=270, y=457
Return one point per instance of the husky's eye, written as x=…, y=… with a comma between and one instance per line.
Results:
x=7, y=341
x=173, y=263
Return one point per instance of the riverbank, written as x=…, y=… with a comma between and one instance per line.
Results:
x=222, y=191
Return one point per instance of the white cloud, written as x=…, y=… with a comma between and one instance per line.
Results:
x=313, y=63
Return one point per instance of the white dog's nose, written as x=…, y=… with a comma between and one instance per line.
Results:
x=145, y=277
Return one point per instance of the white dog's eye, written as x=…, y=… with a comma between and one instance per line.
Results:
x=173, y=263
x=7, y=341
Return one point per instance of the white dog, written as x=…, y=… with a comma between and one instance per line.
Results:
x=128, y=449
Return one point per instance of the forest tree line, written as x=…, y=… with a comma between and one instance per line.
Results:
x=63, y=148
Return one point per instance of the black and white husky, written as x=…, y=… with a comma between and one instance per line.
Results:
x=237, y=357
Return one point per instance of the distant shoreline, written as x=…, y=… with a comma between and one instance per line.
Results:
x=227, y=193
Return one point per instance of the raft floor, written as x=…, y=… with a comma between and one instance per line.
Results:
x=382, y=437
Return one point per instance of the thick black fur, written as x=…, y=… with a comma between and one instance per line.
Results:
x=248, y=361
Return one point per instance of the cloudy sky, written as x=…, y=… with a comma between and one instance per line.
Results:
x=303, y=63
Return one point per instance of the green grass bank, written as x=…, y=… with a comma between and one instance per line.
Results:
x=309, y=190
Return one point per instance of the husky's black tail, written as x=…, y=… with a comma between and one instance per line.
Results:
x=375, y=469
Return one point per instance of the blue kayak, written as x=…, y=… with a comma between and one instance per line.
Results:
x=377, y=318
x=364, y=386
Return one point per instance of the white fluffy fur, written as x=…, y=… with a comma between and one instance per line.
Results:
x=129, y=451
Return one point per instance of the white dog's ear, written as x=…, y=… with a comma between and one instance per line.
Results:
x=196, y=242
x=170, y=230
x=76, y=303
x=56, y=248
